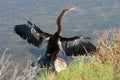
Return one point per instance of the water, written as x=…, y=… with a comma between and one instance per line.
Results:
x=89, y=16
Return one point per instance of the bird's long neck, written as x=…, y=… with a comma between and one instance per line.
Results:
x=59, y=20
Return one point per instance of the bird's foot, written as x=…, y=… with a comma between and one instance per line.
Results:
x=44, y=62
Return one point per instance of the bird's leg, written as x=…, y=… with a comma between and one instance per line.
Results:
x=45, y=61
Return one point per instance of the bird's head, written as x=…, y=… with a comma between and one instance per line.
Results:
x=68, y=10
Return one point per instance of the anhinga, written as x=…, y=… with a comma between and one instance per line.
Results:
x=77, y=45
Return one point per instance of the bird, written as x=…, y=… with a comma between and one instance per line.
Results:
x=73, y=46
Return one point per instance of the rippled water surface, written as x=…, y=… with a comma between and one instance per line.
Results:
x=89, y=16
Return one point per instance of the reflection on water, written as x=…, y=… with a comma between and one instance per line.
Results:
x=89, y=16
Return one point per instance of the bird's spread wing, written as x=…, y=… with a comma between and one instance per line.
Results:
x=77, y=45
x=31, y=33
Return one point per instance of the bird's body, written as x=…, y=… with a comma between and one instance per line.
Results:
x=77, y=45
x=53, y=47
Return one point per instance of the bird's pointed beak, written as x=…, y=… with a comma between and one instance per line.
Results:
x=73, y=8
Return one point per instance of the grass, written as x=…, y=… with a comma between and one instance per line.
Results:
x=103, y=65
x=79, y=70
x=9, y=70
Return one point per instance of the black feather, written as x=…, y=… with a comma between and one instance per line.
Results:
x=77, y=45
x=24, y=31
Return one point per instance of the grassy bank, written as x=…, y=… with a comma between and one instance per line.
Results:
x=104, y=65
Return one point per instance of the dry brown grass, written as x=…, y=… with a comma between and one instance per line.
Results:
x=104, y=65
x=109, y=49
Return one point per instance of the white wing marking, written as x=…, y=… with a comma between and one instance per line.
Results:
x=35, y=34
x=60, y=46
